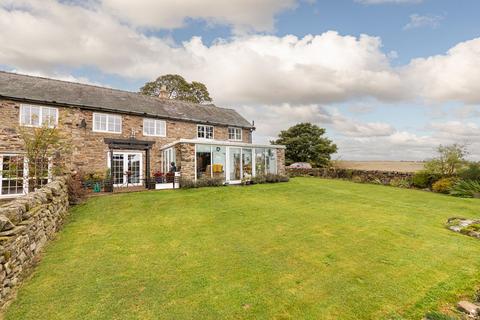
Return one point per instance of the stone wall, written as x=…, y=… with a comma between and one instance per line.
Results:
x=26, y=225
x=185, y=154
x=88, y=149
x=281, y=161
x=378, y=177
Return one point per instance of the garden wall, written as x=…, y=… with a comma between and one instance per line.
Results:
x=26, y=224
x=378, y=177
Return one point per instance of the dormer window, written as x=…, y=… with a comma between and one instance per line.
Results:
x=204, y=132
x=234, y=134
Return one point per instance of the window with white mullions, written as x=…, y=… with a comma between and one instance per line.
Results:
x=204, y=132
x=107, y=123
x=12, y=175
x=154, y=127
x=234, y=134
x=37, y=116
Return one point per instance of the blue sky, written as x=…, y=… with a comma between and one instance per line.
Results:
x=389, y=79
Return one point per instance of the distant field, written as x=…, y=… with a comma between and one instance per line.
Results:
x=400, y=166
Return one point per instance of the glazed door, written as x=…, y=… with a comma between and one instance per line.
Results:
x=127, y=169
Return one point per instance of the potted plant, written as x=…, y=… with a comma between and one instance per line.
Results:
x=159, y=177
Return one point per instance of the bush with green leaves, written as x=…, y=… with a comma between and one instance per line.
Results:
x=449, y=161
x=273, y=178
x=269, y=178
x=200, y=183
x=425, y=179
x=466, y=189
x=470, y=172
x=443, y=185
x=259, y=179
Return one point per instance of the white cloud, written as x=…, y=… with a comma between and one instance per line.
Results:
x=450, y=77
x=457, y=130
x=420, y=21
x=388, y=1
x=313, y=69
x=254, y=69
x=247, y=69
x=242, y=15
x=270, y=119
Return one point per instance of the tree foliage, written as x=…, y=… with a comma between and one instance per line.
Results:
x=43, y=148
x=450, y=160
x=178, y=88
x=305, y=142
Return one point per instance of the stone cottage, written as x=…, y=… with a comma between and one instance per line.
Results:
x=130, y=136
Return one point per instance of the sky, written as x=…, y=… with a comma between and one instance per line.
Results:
x=388, y=79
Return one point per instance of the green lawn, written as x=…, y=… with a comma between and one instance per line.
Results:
x=307, y=249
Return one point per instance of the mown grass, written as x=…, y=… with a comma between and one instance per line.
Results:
x=307, y=249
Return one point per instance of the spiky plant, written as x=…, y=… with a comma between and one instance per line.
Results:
x=466, y=189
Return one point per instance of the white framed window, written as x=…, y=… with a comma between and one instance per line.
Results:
x=13, y=172
x=234, y=134
x=103, y=122
x=154, y=127
x=204, y=131
x=37, y=116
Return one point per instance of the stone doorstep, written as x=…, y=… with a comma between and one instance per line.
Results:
x=469, y=308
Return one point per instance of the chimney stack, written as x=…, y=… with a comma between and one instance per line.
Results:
x=163, y=94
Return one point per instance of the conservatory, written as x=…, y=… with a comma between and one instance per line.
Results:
x=230, y=161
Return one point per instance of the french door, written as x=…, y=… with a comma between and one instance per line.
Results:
x=127, y=169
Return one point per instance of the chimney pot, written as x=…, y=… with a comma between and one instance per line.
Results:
x=163, y=92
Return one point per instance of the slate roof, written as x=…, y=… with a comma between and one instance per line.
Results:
x=43, y=90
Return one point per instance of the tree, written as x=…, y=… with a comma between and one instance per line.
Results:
x=449, y=161
x=305, y=143
x=43, y=147
x=177, y=88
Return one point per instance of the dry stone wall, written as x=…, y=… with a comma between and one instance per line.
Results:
x=379, y=177
x=26, y=225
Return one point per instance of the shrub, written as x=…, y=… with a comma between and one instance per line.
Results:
x=200, y=183
x=400, y=183
x=424, y=179
x=209, y=182
x=259, y=179
x=269, y=178
x=466, y=189
x=76, y=192
x=449, y=161
x=274, y=178
x=93, y=177
x=471, y=172
x=443, y=185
